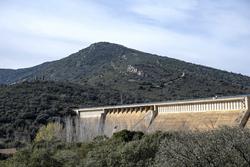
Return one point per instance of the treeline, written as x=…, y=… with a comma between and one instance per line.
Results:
x=223, y=147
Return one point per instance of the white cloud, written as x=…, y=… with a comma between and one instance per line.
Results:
x=164, y=10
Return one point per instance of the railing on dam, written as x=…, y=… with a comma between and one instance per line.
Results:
x=202, y=105
x=230, y=104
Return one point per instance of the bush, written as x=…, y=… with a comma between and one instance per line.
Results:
x=126, y=135
x=49, y=132
x=223, y=147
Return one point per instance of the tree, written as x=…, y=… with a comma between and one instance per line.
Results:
x=50, y=132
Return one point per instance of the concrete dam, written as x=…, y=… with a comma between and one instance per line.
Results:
x=199, y=114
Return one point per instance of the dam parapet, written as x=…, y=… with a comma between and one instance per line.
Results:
x=199, y=114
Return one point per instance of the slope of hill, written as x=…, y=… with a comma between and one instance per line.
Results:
x=126, y=70
x=102, y=74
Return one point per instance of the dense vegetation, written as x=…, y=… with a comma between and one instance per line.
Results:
x=223, y=147
x=25, y=107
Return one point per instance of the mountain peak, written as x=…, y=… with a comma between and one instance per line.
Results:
x=105, y=49
x=105, y=44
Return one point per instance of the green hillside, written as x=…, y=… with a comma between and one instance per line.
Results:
x=25, y=107
x=126, y=70
x=102, y=74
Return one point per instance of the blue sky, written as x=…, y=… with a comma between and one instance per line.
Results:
x=214, y=33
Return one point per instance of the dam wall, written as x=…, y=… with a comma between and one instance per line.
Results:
x=200, y=114
x=136, y=119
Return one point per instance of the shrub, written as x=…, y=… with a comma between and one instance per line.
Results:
x=224, y=147
x=49, y=132
x=126, y=135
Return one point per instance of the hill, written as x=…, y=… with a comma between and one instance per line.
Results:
x=127, y=70
x=101, y=74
